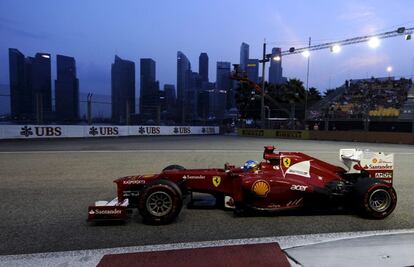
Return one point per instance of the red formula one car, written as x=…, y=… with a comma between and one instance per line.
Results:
x=282, y=181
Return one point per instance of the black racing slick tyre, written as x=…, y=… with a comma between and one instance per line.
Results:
x=160, y=202
x=173, y=167
x=375, y=199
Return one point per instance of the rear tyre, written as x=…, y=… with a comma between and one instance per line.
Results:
x=375, y=199
x=160, y=202
x=173, y=167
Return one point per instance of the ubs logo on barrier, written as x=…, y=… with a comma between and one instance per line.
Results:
x=150, y=130
x=182, y=130
x=47, y=131
x=105, y=131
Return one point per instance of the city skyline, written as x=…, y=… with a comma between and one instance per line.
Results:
x=41, y=26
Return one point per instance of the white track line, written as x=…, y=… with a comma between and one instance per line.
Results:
x=92, y=257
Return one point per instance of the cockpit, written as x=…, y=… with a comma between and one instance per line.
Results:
x=270, y=156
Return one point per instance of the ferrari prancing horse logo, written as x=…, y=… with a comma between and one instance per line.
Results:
x=286, y=162
x=216, y=180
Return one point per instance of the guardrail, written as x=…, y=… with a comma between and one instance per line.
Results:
x=357, y=136
x=69, y=131
x=289, y=134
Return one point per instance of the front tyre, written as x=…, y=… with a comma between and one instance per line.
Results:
x=160, y=202
x=376, y=199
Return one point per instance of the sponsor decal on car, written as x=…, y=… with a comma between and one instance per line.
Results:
x=261, y=188
x=379, y=167
x=301, y=169
x=194, y=177
x=216, y=180
x=105, y=212
x=274, y=206
x=298, y=187
x=286, y=162
x=295, y=202
x=127, y=182
x=383, y=175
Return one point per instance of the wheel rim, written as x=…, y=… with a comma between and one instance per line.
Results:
x=159, y=203
x=380, y=200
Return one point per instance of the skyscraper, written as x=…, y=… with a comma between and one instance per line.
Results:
x=191, y=99
x=149, y=92
x=223, y=81
x=66, y=89
x=123, y=89
x=20, y=93
x=170, y=98
x=42, y=82
x=244, y=56
x=252, y=70
x=183, y=72
x=30, y=85
x=275, y=70
x=183, y=66
x=203, y=66
x=218, y=104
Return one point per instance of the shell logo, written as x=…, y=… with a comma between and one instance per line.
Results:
x=261, y=188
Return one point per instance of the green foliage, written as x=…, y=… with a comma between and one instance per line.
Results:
x=280, y=98
x=328, y=92
x=314, y=96
x=248, y=102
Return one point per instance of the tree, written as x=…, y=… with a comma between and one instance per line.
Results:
x=328, y=92
x=248, y=102
x=314, y=96
x=283, y=100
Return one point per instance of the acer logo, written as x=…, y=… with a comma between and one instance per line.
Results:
x=298, y=187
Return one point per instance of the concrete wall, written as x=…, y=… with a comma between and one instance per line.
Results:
x=359, y=136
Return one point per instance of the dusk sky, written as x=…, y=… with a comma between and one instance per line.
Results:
x=94, y=31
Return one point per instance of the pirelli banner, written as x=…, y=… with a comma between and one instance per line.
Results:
x=289, y=134
x=67, y=131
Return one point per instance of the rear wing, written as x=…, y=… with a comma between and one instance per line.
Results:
x=378, y=164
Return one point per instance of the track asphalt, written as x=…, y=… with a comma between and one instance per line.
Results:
x=46, y=186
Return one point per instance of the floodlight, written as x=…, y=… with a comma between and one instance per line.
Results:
x=336, y=48
x=374, y=42
x=306, y=53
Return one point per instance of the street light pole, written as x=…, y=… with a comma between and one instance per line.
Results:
x=262, y=111
x=307, y=84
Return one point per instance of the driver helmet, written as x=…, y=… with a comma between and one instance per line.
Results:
x=250, y=165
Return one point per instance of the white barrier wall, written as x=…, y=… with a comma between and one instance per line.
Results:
x=67, y=131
